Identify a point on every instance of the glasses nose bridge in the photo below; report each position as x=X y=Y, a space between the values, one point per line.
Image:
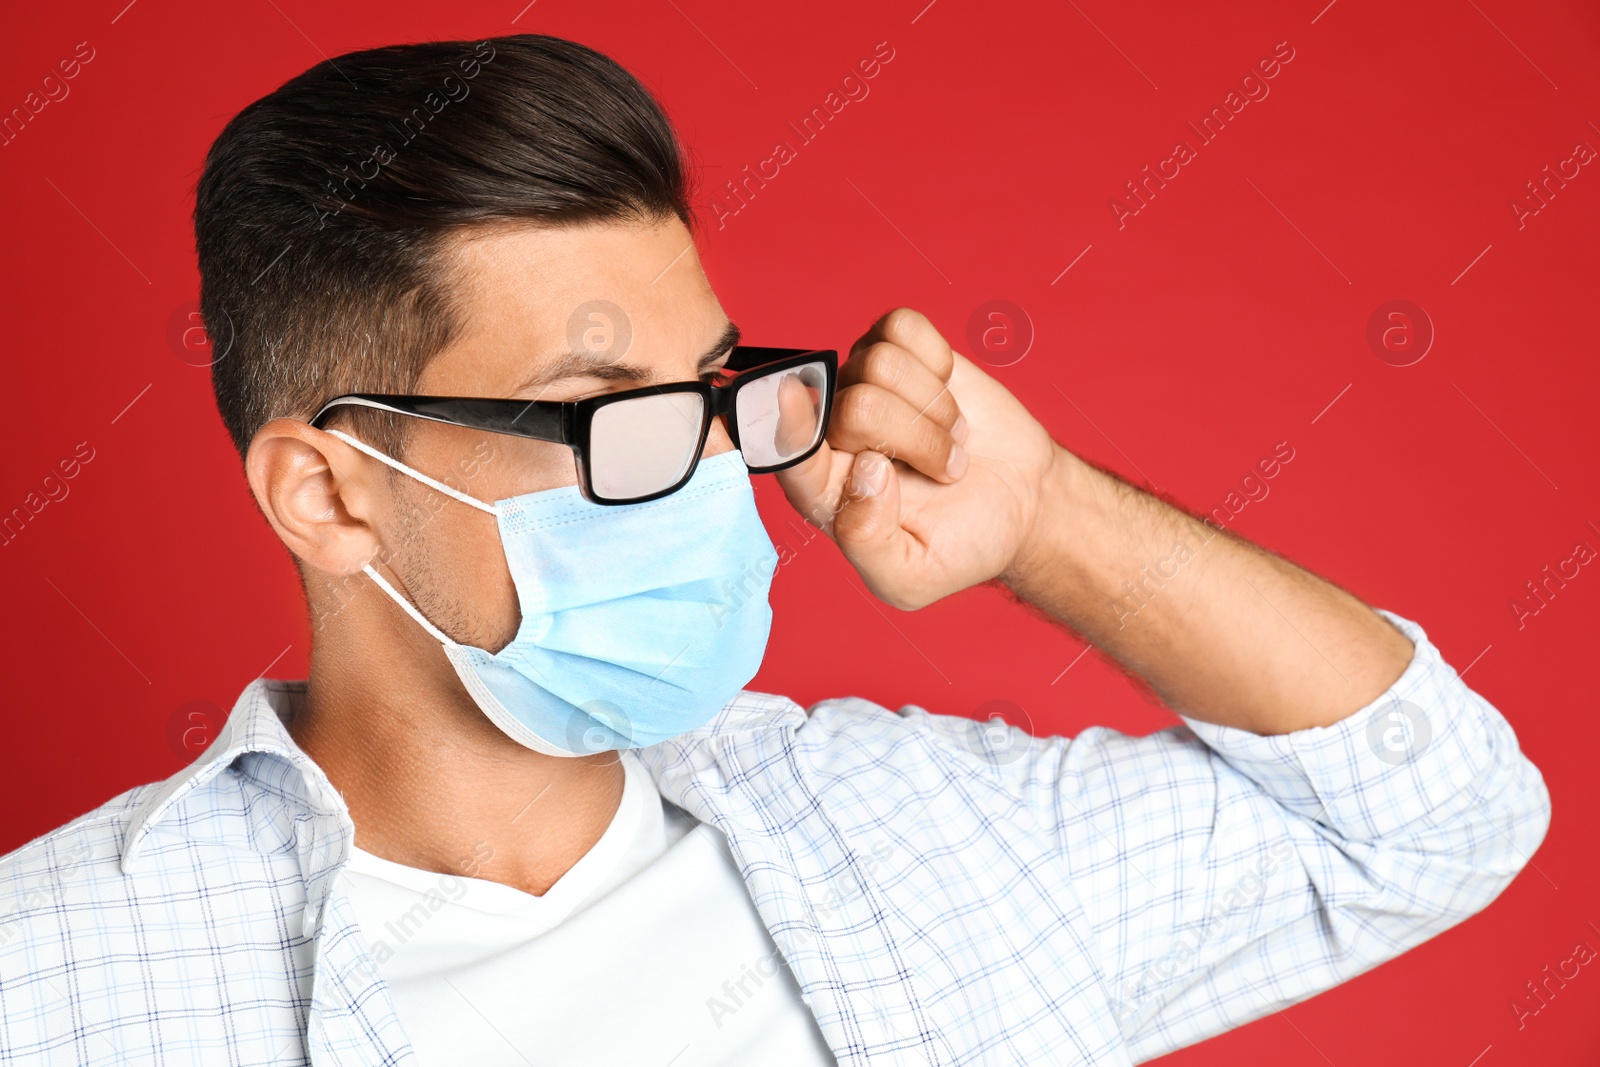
x=720 y=403
x=721 y=400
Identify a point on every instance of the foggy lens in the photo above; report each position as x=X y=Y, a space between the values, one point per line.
x=780 y=414
x=641 y=446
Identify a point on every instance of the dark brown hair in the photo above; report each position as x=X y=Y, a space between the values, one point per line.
x=323 y=206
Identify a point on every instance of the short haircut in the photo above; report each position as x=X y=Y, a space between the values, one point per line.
x=324 y=206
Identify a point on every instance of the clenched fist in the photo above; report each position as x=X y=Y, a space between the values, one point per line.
x=932 y=473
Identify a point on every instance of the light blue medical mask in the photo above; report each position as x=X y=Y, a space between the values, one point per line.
x=639 y=621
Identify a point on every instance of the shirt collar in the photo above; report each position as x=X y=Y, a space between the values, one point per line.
x=694 y=769
x=257 y=724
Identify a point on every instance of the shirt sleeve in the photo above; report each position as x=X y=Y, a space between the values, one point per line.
x=1228 y=875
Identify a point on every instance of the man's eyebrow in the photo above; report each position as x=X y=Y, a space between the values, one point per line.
x=588 y=365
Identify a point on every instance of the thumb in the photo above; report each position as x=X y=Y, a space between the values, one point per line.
x=867 y=525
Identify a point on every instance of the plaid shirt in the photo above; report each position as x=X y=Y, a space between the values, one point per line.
x=945 y=891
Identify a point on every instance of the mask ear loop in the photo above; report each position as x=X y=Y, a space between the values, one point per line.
x=432 y=483
x=394 y=595
x=367 y=569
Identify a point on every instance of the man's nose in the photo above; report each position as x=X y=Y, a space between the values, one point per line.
x=717 y=441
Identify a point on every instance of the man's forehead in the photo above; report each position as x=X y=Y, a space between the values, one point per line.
x=615 y=360
x=538 y=301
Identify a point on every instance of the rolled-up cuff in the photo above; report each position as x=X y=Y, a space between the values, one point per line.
x=1424 y=739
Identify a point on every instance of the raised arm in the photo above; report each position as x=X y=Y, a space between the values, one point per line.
x=1337 y=794
x=1222 y=630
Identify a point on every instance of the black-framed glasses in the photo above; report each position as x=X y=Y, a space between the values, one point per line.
x=640 y=444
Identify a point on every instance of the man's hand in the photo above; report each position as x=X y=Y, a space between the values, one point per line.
x=932 y=474
x=977 y=490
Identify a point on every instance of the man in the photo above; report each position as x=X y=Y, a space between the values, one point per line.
x=521 y=811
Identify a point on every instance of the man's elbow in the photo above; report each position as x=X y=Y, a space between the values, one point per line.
x=1494 y=842
x=1489 y=831
x=1515 y=825
x=1454 y=862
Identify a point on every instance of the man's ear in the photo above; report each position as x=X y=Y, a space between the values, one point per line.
x=321 y=496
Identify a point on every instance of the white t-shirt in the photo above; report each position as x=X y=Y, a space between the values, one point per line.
x=648 y=951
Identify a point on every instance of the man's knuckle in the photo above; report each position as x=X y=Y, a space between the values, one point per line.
x=862 y=407
x=884 y=364
x=902 y=322
x=914 y=332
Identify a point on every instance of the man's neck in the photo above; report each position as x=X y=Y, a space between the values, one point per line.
x=431 y=783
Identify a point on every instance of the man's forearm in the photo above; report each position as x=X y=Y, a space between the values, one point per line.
x=1222 y=630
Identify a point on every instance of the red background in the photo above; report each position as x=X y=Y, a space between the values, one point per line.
x=1222 y=319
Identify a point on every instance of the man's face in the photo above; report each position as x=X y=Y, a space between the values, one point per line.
x=550 y=314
